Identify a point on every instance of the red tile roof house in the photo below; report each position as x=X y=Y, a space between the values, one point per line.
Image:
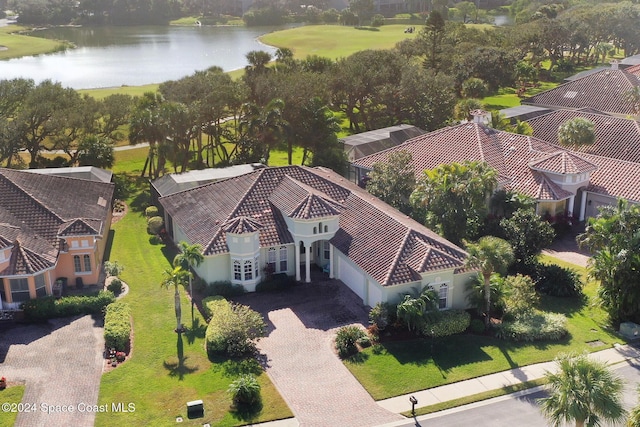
x=290 y=218
x=604 y=91
x=561 y=181
x=50 y=227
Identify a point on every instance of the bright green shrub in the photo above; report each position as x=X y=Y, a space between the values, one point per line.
x=210 y=305
x=113 y=268
x=77 y=305
x=558 y=281
x=245 y=390
x=521 y=298
x=115 y=286
x=233 y=329
x=377 y=20
x=536 y=326
x=151 y=211
x=155 y=224
x=39 y=309
x=346 y=340
x=379 y=316
x=450 y=322
x=117 y=326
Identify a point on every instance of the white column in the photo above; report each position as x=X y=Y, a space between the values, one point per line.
x=570 y=208
x=297 y=261
x=331 y=267
x=583 y=205
x=307 y=264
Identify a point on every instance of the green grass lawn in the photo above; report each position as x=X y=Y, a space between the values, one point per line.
x=335 y=41
x=396 y=368
x=10 y=395
x=166 y=371
x=102 y=93
x=22 y=45
x=507 y=97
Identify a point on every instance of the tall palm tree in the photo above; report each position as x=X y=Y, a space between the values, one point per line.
x=190 y=256
x=634 y=414
x=583 y=390
x=490 y=254
x=176 y=277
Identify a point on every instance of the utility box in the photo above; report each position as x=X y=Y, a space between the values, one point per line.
x=195 y=409
x=630 y=330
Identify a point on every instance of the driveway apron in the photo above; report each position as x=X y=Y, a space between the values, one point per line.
x=61 y=364
x=300 y=359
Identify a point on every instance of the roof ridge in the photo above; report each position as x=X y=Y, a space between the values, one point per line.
x=396 y=260
x=31 y=197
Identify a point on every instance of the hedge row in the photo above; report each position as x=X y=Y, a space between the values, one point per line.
x=534 y=327
x=450 y=322
x=117 y=326
x=41 y=309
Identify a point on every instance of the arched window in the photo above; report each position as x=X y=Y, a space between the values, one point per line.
x=248 y=270
x=271 y=259
x=87 y=263
x=315 y=230
x=320 y=227
x=77 y=266
x=326 y=228
x=443 y=294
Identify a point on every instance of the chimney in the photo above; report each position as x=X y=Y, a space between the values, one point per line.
x=481 y=117
x=614 y=64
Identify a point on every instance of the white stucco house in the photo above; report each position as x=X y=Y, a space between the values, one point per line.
x=292 y=219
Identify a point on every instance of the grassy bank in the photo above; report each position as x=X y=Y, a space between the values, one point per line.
x=18 y=45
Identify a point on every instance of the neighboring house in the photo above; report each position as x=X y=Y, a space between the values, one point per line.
x=51 y=227
x=175 y=182
x=370 y=142
x=288 y=219
x=616 y=137
x=604 y=91
x=563 y=182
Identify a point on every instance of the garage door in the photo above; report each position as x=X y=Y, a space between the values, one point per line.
x=351 y=277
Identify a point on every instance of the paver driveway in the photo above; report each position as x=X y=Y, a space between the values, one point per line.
x=300 y=359
x=61 y=363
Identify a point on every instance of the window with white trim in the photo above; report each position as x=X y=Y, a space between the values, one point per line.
x=271 y=259
x=84 y=243
x=87 y=263
x=77 y=266
x=41 y=291
x=327 y=252
x=248 y=269
x=237 y=270
x=75 y=244
x=284 y=256
x=19 y=289
x=443 y=294
x=256 y=267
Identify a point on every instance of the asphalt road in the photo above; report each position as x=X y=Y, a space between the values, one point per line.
x=516 y=410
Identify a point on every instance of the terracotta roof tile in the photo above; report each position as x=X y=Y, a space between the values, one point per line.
x=297 y=200
x=562 y=162
x=79 y=227
x=602 y=91
x=241 y=225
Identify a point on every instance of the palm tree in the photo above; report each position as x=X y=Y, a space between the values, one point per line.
x=634 y=415
x=176 y=277
x=490 y=254
x=576 y=132
x=190 y=256
x=583 y=390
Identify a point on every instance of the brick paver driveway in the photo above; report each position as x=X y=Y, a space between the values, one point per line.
x=300 y=359
x=61 y=364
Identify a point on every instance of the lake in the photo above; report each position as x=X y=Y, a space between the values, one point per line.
x=133 y=56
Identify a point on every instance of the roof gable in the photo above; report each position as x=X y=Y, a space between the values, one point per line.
x=562 y=163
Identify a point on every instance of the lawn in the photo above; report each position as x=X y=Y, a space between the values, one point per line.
x=22 y=45
x=335 y=41
x=167 y=370
x=396 y=368
x=507 y=97
x=11 y=395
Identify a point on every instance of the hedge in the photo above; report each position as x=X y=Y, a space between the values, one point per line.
x=211 y=304
x=41 y=309
x=233 y=329
x=534 y=327
x=117 y=326
x=449 y=322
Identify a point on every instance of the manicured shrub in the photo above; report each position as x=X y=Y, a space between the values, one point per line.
x=450 y=322
x=117 y=326
x=377 y=20
x=224 y=289
x=276 y=282
x=151 y=211
x=155 y=224
x=476 y=326
x=346 y=340
x=245 y=390
x=210 y=305
x=39 y=309
x=535 y=326
x=113 y=268
x=379 y=316
x=77 y=305
x=558 y=281
x=115 y=286
x=521 y=297
x=233 y=329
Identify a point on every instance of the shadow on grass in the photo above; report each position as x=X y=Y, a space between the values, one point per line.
x=169 y=252
x=235 y=367
x=196 y=330
x=179 y=369
x=246 y=413
x=107 y=249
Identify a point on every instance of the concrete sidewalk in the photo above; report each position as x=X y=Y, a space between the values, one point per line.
x=445 y=393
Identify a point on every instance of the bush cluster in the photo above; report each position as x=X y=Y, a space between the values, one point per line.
x=211 y=304
x=558 y=281
x=115 y=286
x=449 y=322
x=276 y=282
x=113 y=268
x=41 y=309
x=245 y=390
x=536 y=326
x=155 y=224
x=346 y=340
x=233 y=329
x=379 y=316
x=151 y=211
x=225 y=289
x=117 y=326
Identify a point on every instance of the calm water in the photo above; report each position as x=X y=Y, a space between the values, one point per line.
x=115 y=56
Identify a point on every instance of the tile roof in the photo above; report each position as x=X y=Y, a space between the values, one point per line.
x=616 y=137
x=37 y=209
x=602 y=91
x=387 y=245
x=562 y=162
x=297 y=200
x=510 y=155
x=241 y=225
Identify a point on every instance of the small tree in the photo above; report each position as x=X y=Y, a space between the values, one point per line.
x=113 y=268
x=190 y=256
x=245 y=390
x=393 y=181
x=584 y=391
x=634 y=414
x=175 y=277
x=521 y=297
x=528 y=234
x=576 y=132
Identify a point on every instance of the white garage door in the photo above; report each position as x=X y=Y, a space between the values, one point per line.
x=351 y=277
